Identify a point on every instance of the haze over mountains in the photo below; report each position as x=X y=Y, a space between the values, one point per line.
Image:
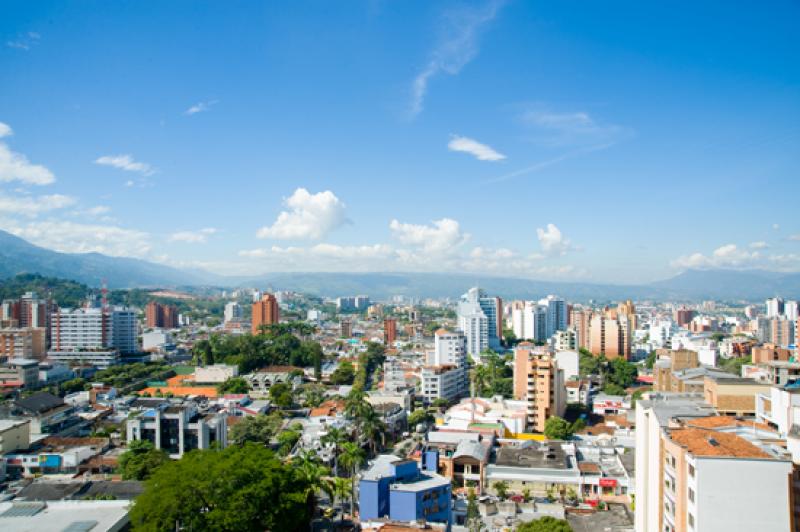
x=19 y=256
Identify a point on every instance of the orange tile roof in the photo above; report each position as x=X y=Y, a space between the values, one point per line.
x=716 y=422
x=589 y=467
x=328 y=408
x=182 y=391
x=699 y=443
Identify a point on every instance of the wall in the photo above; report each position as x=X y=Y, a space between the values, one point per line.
x=742 y=494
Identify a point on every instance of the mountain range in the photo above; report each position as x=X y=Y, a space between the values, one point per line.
x=20 y=256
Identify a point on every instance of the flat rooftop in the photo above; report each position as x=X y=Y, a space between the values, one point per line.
x=63 y=515
x=706 y=442
x=549 y=456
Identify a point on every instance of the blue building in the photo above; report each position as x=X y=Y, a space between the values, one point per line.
x=397 y=489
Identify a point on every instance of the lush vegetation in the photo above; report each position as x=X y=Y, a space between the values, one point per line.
x=733 y=364
x=617 y=375
x=141 y=460
x=493 y=377
x=234 y=385
x=344 y=373
x=545 y=524
x=240 y=488
x=65 y=293
x=556 y=428
x=256 y=429
x=130 y=374
x=275 y=345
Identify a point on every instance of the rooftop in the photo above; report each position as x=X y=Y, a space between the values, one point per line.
x=547 y=456
x=64 y=515
x=707 y=442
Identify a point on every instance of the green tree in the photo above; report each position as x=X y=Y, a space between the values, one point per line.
x=352 y=458
x=336 y=437
x=501 y=488
x=556 y=428
x=650 y=361
x=418 y=416
x=234 y=385
x=623 y=373
x=257 y=429
x=141 y=460
x=473 y=513
x=344 y=374
x=287 y=439
x=73 y=385
x=612 y=388
x=236 y=489
x=281 y=394
x=545 y=524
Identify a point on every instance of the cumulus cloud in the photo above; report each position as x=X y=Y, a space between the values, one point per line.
x=441 y=236
x=552 y=241
x=759 y=245
x=125 y=162
x=200 y=107
x=70 y=237
x=457 y=46
x=16 y=167
x=193 y=237
x=482 y=152
x=795 y=237
x=309 y=217
x=33 y=206
x=727 y=256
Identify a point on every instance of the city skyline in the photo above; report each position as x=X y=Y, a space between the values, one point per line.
x=552 y=142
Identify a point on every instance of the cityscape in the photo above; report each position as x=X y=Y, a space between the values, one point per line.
x=258 y=273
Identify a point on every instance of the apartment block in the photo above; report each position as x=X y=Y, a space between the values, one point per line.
x=265 y=312
x=539 y=381
x=159 y=316
x=23 y=342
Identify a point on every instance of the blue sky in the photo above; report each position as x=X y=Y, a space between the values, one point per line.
x=616 y=142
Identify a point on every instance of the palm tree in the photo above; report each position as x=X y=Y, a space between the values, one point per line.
x=337 y=437
x=372 y=427
x=341 y=489
x=311 y=469
x=352 y=458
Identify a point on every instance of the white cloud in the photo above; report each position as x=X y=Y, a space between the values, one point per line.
x=442 y=236
x=70 y=237
x=776 y=226
x=795 y=237
x=200 y=107
x=457 y=46
x=552 y=242
x=125 y=162
x=24 y=42
x=16 y=167
x=32 y=206
x=727 y=256
x=310 y=216
x=482 y=152
x=98 y=210
x=193 y=237
x=572 y=128
x=759 y=245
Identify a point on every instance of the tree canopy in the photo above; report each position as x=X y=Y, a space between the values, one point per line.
x=141 y=460
x=255 y=429
x=233 y=385
x=237 y=489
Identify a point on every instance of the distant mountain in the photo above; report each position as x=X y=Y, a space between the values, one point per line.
x=20 y=256
x=729 y=285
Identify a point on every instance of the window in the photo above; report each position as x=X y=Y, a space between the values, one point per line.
x=691 y=470
x=691 y=520
x=691 y=494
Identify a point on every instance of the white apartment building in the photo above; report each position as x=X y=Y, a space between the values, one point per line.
x=233 y=311
x=774 y=307
x=707 y=473
x=479 y=319
x=445 y=374
x=91 y=328
x=566 y=340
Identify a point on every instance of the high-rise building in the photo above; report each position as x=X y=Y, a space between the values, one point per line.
x=791 y=310
x=696 y=471
x=539 y=381
x=480 y=318
x=389 y=331
x=27 y=342
x=580 y=319
x=265 y=312
x=29 y=311
x=158 y=316
x=445 y=374
x=352 y=303
x=555 y=315
x=774 y=307
x=684 y=316
x=94 y=329
x=609 y=336
x=345 y=328
x=781 y=331
x=233 y=312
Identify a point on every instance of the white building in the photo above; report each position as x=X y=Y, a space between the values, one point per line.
x=555 y=314
x=233 y=311
x=445 y=374
x=566 y=340
x=774 y=307
x=479 y=319
x=91 y=328
x=215 y=374
x=568 y=362
x=156 y=339
x=791 y=310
